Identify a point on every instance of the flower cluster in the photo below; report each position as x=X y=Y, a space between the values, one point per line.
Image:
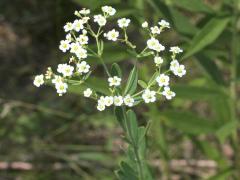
x=77 y=70
x=106 y=101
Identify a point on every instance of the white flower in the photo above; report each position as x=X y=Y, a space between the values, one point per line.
x=158 y=60
x=164 y=24
x=159 y=48
x=149 y=96
x=61 y=88
x=128 y=100
x=83 y=67
x=174 y=65
x=64 y=45
x=83 y=39
x=114 y=81
x=155 y=45
x=84 y=11
x=81 y=53
x=179 y=71
x=101 y=104
x=101 y=20
x=118 y=100
x=78 y=25
x=152 y=43
x=57 y=79
x=155 y=30
x=85 y=19
x=124 y=22
x=168 y=93
x=76 y=13
x=68 y=37
x=60 y=68
x=68 y=27
x=67 y=70
x=101 y=107
x=145 y=24
x=87 y=92
x=38 y=80
x=84 y=31
x=109 y=10
x=176 y=50
x=75 y=46
x=163 y=80
x=108 y=100
x=112 y=35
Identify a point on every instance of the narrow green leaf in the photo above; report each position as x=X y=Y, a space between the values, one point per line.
x=189 y=122
x=153 y=78
x=160 y=8
x=133 y=126
x=210 y=32
x=94 y=4
x=131 y=85
x=198 y=93
x=142 y=84
x=193 y=5
x=226 y=130
x=120 y=175
x=211 y=68
x=128 y=171
x=182 y=23
x=121 y=118
x=116 y=70
x=222 y=109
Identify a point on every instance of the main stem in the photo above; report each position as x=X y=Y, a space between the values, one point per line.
x=134 y=145
x=139 y=163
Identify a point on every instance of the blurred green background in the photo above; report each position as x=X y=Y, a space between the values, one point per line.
x=195 y=136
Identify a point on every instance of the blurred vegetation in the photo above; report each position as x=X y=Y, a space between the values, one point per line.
x=195 y=136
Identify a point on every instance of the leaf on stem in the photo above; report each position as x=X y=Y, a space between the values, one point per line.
x=119 y=113
x=142 y=84
x=116 y=70
x=131 y=85
x=133 y=126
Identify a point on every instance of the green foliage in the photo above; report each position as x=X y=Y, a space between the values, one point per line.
x=132 y=82
x=209 y=33
x=193 y=6
x=116 y=70
x=188 y=122
x=94 y=4
x=205 y=111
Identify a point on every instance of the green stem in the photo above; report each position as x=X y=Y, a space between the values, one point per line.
x=105 y=67
x=133 y=144
x=140 y=92
x=99 y=52
x=139 y=163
